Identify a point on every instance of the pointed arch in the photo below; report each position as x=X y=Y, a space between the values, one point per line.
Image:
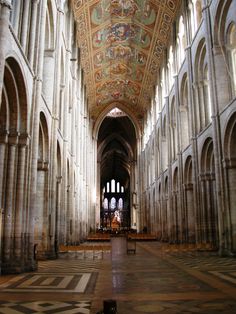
x=123 y=108
x=43 y=154
x=202 y=87
x=209 y=214
x=15 y=96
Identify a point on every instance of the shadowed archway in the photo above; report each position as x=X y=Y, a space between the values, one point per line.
x=116 y=154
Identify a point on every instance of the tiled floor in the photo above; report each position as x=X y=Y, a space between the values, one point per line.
x=150 y=281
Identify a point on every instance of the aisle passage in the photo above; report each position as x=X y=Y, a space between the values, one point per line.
x=151 y=281
x=155 y=281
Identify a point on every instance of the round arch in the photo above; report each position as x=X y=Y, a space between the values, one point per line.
x=229 y=139
x=15 y=96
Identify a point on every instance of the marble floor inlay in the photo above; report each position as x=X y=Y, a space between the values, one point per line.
x=53 y=282
x=47 y=307
x=150 y=281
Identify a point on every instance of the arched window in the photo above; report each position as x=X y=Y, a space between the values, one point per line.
x=113 y=186
x=191 y=19
x=202 y=88
x=181 y=43
x=105 y=204
x=163 y=87
x=207 y=95
x=170 y=68
x=118 y=187
x=231 y=47
x=122 y=189
x=184 y=113
x=120 y=204
x=113 y=203
x=194 y=15
x=157 y=101
x=198 y=11
x=108 y=187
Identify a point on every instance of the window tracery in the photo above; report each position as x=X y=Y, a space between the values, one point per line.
x=231 y=47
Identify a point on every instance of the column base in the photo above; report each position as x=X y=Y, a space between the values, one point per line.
x=16 y=267
x=45 y=255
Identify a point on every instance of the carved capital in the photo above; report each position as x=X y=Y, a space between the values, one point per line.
x=188 y=187
x=207 y=176
x=59 y=179
x=229 y=163
x=4 y=136
x=24 y=139
x=43 y=165
x=6 y=3
x=13 y=137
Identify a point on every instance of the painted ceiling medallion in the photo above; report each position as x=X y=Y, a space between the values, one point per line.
x=122 y=43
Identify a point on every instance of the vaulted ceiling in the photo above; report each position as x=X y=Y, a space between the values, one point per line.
x=116 y=149
x=122 y=44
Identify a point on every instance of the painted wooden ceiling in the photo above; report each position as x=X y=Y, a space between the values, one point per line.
x=122 y=44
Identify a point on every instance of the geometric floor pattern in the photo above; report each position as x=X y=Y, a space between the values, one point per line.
x=149 y=281
x=177 y=307
x=201 y=261
x=51 y=283
x=223 y=268
x=47 y=307
x=229 y=276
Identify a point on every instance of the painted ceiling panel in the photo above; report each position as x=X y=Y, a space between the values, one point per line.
x=122 y=43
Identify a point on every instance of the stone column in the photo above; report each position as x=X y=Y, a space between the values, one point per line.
x=230 y=214
x=203 y=223
x=220 y=193
x=57 y=214
x=212 y=214
x=31 y=50
x=25 y=24
x=20 y=194
x=35 y=132
x=3 y=142
x=201 y=105
x=10 y=201
x=191 y=219
x=166 y=212
x=194 y=127
x=208 y=209
x=174 y=234
x=16 y=16
x=5 y=7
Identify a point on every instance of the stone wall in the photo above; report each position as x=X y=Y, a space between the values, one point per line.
x=188 y=192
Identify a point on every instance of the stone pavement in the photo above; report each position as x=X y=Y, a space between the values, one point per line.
x=150 y=281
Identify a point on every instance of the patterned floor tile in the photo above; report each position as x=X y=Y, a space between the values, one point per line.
x=149 y=281
x=228 y=276
x=53 y=282
x=47 y=307
x=177 y=307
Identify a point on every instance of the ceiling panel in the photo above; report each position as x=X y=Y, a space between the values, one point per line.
x=122 y=43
